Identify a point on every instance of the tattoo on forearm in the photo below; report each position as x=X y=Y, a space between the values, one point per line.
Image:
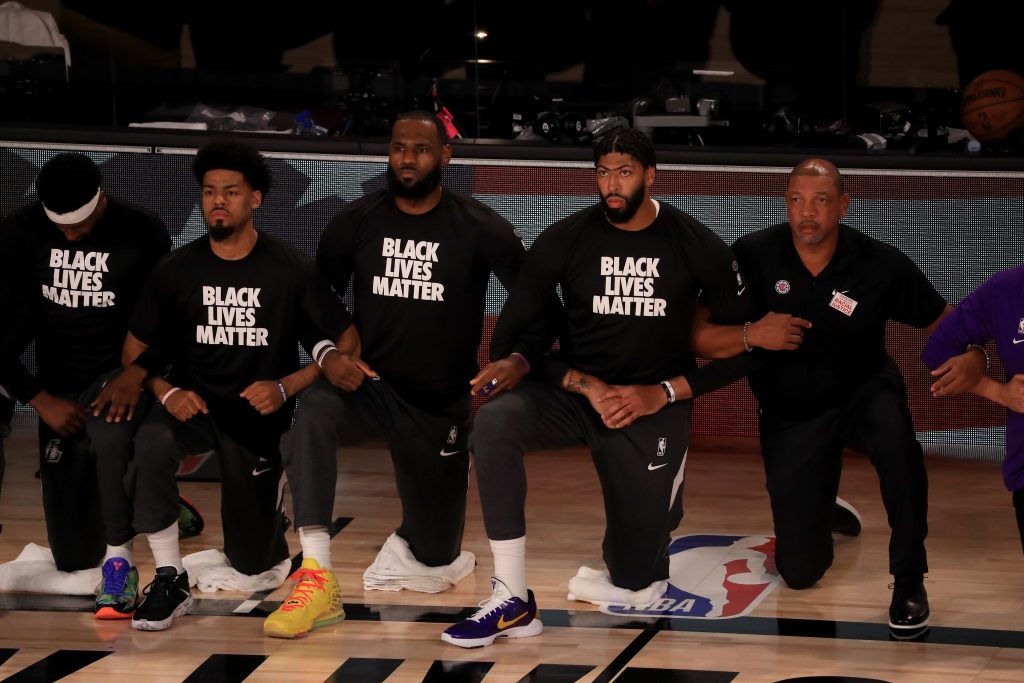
x=577 y=382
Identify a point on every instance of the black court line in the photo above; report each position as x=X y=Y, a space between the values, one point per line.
x=645 y=675
x=57 y=665
x=364 y=670
x=557 y=673
x=457 y=672
x=626 y=656
x=226 y=668
x=6 y=653
x=756 y=626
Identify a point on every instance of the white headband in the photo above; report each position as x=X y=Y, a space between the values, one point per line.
x=76 y=216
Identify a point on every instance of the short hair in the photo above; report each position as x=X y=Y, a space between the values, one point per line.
x=822 y=168
x=631 y=142
x=234 y=155
x=67 y=182
x=426 y=117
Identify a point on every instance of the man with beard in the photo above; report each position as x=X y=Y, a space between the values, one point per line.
x=420 y=258
x=840 y=388
x=631 y=272
x=227 y=310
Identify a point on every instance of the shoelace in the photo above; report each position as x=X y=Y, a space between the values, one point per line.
x=309 y=581
x=488 y=606
x=114 y=584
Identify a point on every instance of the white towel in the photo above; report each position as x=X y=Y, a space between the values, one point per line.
x=396 y=568
x=34 y=571
x=595 y=585
x=210 y=571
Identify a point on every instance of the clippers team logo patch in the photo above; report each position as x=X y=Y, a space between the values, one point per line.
x=782 y=287
x=453 y=434
x=53 y=452
x=842 y=303
x=713 y=576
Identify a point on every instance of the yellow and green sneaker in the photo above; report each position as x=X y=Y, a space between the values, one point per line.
x=315 y=602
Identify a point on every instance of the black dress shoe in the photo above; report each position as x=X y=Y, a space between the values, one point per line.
x=908 y=611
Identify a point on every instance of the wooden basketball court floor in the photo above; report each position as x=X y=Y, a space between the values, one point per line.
x=835 y=631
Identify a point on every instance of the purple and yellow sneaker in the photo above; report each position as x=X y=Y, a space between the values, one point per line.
x=500 y=616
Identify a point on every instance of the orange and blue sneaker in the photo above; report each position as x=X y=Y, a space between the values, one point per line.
x=502 y=615
x=315 y=602
x=118 y=592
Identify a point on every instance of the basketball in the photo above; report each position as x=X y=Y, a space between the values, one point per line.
x=992 y=105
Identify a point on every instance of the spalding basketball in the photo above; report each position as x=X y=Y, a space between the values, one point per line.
x=992 y=105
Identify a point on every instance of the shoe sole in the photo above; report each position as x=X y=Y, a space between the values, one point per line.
x=534 y=628
x=181 y=610
x=109 y=613
x=908 y=632
x=272 y=632
x=842 y=504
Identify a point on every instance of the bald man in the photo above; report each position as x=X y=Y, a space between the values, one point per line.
x=839 y=388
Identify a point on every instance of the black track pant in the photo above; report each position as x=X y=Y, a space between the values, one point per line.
x=640 y=468
x=250 y=483
x=803 y=460
x=86 y=484
x=428 y=451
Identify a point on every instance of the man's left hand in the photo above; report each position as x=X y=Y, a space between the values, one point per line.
x=624 y=404
x=499 y=376
x=959 y=373
x=265 y=396
x=121 y=393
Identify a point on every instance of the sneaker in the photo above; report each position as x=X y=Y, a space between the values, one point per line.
x=845 y=519
x=500 y=616
x=315 y=602
x=118 y=591
x=167 y=597
x=190 y=521
x=908 y=611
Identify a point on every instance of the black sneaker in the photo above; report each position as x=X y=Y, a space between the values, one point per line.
x=845 y=519
x=168 y=596
x=908 y=612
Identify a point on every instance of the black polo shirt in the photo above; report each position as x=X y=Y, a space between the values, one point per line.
x=866 y=284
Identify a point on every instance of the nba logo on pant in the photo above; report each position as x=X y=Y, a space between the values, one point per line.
x=53 y=451
x=713 y=576
x=453 y=434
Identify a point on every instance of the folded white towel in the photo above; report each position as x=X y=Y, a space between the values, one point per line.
x=210 y=571
x=396 y=568
x=595 y=585
x=34 y=571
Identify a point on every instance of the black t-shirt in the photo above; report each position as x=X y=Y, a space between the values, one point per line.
x=629 y=297
x=420 y=285
x=867 y=283
x=75 y=296
x=226 y=324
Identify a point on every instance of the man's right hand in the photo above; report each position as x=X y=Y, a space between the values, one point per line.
x=777 y=332
x=1013 y=394
x=344 y=371
x=184 y=405
x=61 y=415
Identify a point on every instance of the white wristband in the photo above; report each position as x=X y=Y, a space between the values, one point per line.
x=167 y=395
x=670 y=392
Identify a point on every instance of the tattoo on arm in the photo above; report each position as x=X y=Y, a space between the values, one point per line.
x=577 y=382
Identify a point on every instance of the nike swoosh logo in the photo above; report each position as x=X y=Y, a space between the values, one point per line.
x=1018 y=341
x=741 y=291
x=652 y=466
x=502 y=624
x=445 y=454
x=257 y=472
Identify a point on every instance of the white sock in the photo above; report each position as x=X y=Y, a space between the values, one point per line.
x=124 y=550
x=164 y=544
x=510 y=564
x=316 y=544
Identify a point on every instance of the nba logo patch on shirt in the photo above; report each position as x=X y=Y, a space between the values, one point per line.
x=842 y=303
x=782 y=287
x=713 y=576
x=1020 y=326
x=453 y=434
x=53 y=452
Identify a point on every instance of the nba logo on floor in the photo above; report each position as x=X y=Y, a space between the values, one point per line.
x=713 y=576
